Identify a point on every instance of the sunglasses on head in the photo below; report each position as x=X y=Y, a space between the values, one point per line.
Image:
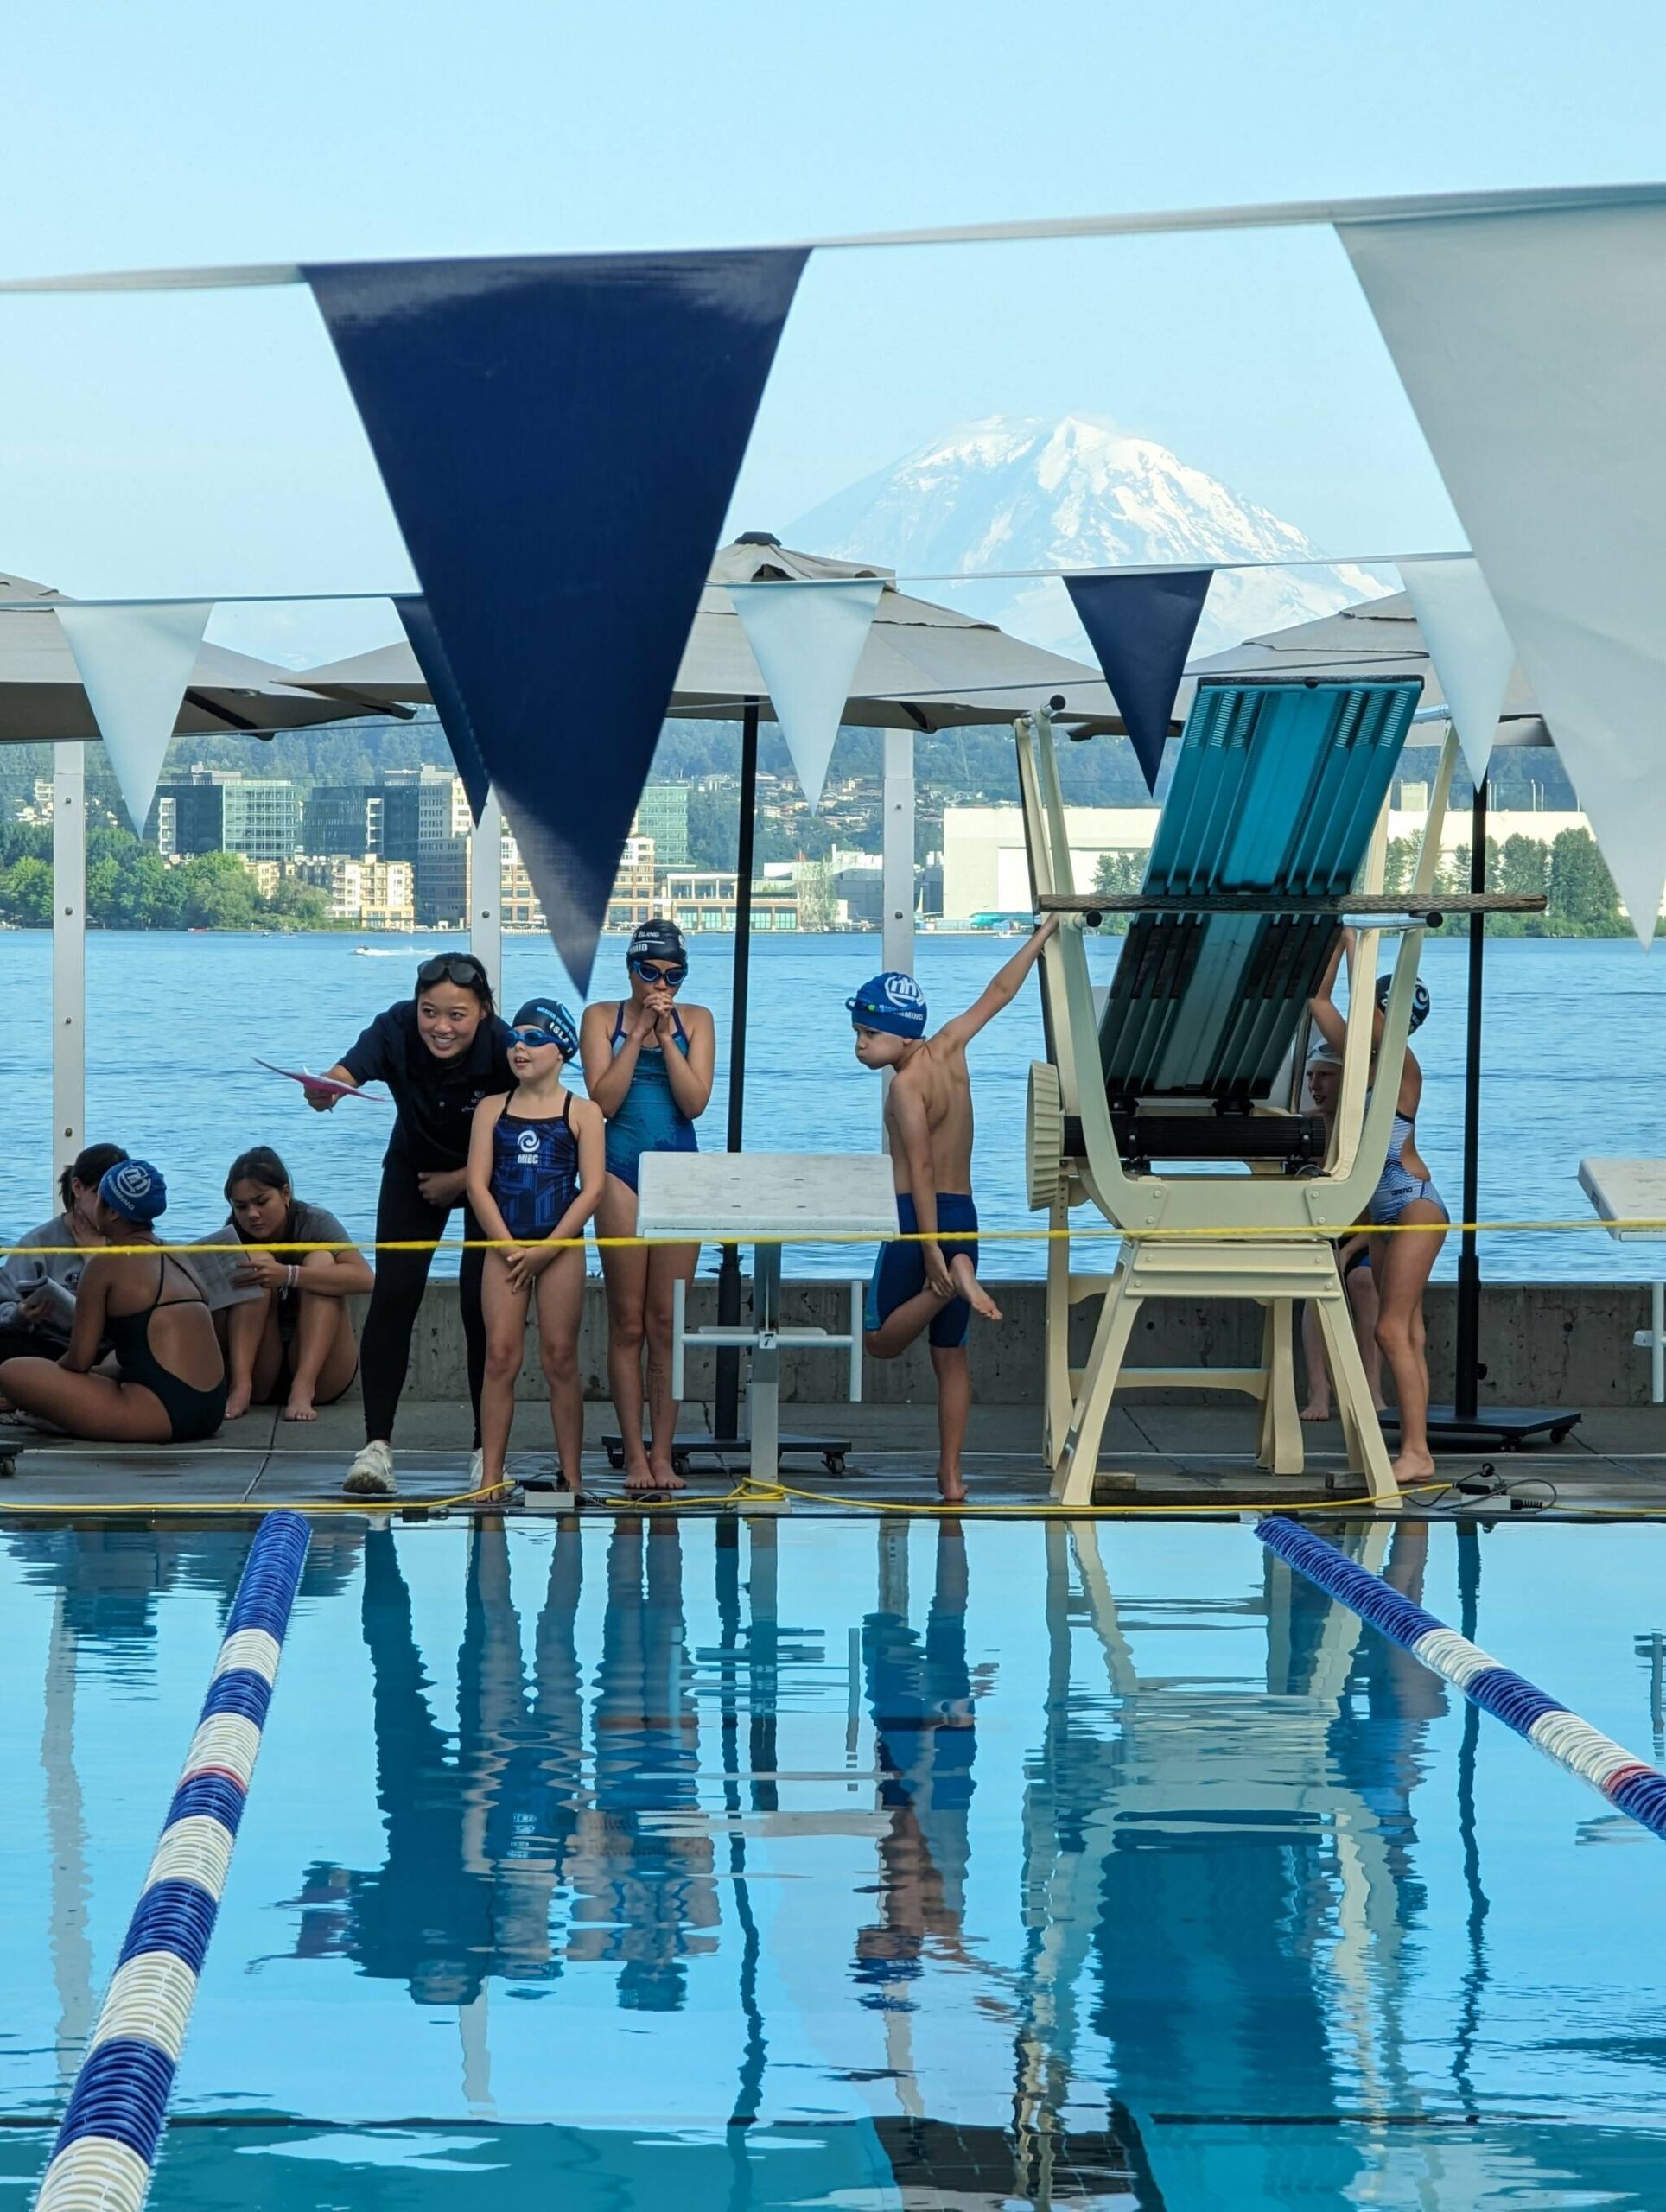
x=451 y=967
x=652 y=971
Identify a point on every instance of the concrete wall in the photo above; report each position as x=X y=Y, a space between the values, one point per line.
x=1544 y=1344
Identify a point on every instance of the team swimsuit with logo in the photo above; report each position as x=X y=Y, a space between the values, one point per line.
x=534 y=1169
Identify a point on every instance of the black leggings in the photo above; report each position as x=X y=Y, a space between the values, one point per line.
x=403 y=1214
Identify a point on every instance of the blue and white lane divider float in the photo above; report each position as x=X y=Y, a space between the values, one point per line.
x=1624 y=1779
x=105 y=2153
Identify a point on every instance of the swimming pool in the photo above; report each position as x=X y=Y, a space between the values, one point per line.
x=840 y=1865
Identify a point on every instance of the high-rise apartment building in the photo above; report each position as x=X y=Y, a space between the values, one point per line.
x=662 y=814
x=221 y=810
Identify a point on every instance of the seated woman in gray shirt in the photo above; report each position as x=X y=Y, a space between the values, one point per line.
x=287 y=1333
x=38 y=1280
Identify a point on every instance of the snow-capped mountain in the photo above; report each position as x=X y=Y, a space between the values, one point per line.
x=1018 y=492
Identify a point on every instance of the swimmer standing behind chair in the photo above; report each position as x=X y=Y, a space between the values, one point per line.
x=930 y=1286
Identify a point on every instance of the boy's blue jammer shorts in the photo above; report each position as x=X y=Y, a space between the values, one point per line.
x=899 y=1271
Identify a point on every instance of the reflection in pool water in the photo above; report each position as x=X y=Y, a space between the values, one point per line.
x=810 y=1863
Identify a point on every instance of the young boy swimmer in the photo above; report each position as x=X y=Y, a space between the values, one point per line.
x=932 y=1286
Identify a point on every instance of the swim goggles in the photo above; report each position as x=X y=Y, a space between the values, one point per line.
x=536 y=1039
x=652 y=971
x=451 y=967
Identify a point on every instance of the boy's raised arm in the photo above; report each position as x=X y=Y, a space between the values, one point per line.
x=1001 y=989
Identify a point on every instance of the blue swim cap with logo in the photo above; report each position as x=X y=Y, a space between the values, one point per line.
x=894 y=1002
x=134 y=1189
x=552 y=1022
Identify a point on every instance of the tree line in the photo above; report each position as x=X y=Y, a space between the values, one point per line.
x=130 y=887
x=1570 y=873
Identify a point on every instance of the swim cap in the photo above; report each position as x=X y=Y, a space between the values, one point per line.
x=1420 y=999
x=135 y=1190
x=656 y=940
x=1324 y=1055
x=551 y=1018
x=893 y=1001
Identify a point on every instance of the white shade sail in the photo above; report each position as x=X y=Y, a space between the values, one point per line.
x=1470 y=648
x=807 y=641
x=1533 y=347
x=135 y=662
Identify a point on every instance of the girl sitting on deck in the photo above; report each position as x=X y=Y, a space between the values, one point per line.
x=1404 y=1200
x=287 y=1331
x=40 y=1278
x=170 y=1384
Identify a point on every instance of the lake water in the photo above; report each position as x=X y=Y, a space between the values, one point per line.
x=1575 y=1062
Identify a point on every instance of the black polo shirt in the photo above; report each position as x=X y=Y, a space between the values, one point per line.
x=436 y=1098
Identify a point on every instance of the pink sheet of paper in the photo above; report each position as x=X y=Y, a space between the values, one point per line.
x=324 y=1082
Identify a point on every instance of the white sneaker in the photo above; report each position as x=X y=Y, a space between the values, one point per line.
x=476 y=1467
x=372 y=1473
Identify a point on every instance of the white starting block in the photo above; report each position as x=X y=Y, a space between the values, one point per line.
x=1635 y=1190
x=766 y=1199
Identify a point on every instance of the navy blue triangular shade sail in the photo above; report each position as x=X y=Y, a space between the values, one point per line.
x=1141 y=629
x=424 y=637
x=559 y=437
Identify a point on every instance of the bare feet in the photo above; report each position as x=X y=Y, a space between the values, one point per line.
x=1313 y=1411
x=644 y=1480
x=666 y=1476
x=300 y=1407
x=1412 y=1468
x=951 y=1486
x=964 y=1276
x=237 y=1402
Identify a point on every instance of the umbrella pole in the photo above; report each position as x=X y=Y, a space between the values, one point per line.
x=726 y=1412
x=1468 y=1348
x=68 y=955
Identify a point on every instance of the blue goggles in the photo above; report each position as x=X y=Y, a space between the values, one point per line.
x=536 y=1039
x=669 y=973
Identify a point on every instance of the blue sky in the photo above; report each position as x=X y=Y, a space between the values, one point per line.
x=206 y=443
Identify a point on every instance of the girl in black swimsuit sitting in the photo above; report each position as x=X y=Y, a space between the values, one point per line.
x=169 y=1385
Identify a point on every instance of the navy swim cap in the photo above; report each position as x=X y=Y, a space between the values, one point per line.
x=656 y=940
x=893 y=1001
x=552 y=1022
x=1420 y=999
x=134 y=1189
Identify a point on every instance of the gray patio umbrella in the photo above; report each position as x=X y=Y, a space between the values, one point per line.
x=43 y=701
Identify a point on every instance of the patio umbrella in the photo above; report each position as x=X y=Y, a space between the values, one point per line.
x=42 y=701
x=1380 y=637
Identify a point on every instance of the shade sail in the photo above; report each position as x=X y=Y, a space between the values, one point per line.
x=535 y=421
x=1531 y=346
x=924 y=667
x=43 y=701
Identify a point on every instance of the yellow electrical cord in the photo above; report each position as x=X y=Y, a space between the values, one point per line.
x=1326 y=1232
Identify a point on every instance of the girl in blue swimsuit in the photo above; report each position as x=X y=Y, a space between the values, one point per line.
x=535 y=1175
x=1405 y=1198
x=648 y=1065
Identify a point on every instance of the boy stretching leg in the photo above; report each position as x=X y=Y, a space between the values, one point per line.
x=931 y=1285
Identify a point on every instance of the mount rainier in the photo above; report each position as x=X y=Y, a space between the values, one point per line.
x=1019 y=491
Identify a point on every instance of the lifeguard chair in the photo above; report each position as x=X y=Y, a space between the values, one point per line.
x=1171 y=1100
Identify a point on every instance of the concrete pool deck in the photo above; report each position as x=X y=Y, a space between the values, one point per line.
x=1189 y=1458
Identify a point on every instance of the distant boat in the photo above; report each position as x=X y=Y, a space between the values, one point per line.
x=380 y=952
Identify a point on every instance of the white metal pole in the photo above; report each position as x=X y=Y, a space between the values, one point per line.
x=68 y=956
x=897 y=872
x=486 y=891
x=898 y=876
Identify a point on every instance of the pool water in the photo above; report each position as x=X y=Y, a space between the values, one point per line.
x=847 y=1866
